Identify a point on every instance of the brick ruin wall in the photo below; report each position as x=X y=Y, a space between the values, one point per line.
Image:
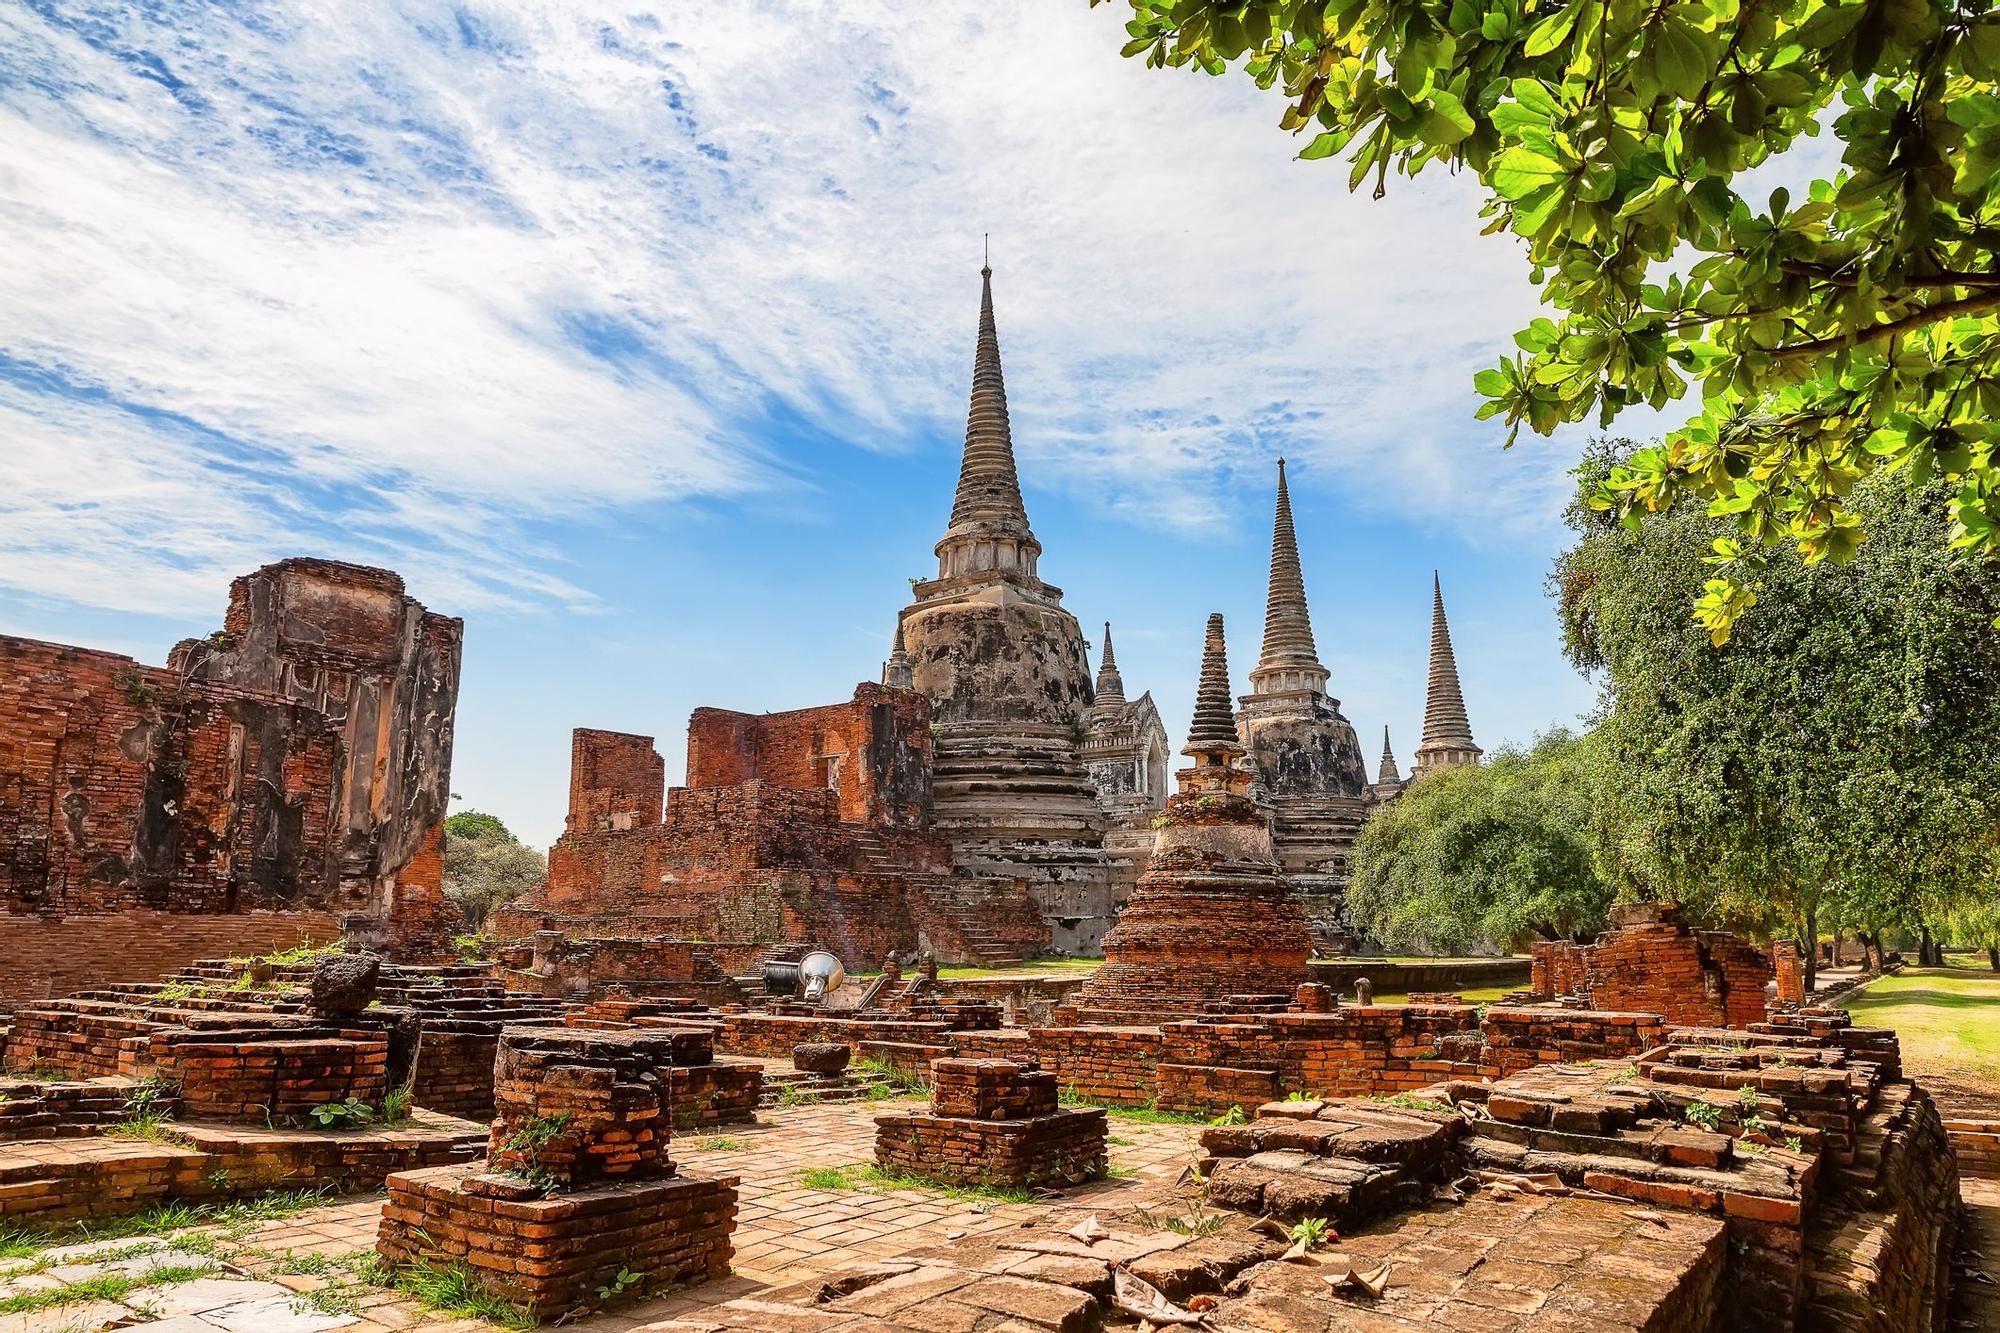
x=758 y=847
x=1651 y=963
x=873 y=751
x=294 y=765
x=1377 y=1050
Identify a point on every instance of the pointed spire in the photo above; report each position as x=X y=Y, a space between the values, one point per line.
x=1110 y=685
x=1212 y=739
x=1447 y=733
x=988 y=486
x=1387 y=773
x=897 y=672
x=989 y=524
x=1290 y=659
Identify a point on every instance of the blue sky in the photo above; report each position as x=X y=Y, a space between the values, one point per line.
x=641 y=338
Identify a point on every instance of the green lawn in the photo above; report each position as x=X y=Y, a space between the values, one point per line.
x=1471 y=995
x=1948 y=1018
x=1033 y=967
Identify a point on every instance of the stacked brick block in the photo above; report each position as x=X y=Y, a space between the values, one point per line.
x=257 y=1075
x=1650 y=962
x=579 y=1184
x=994 y=1123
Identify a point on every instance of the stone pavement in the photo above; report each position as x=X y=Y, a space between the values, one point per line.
x=1975 y=1298
x=786 y=1233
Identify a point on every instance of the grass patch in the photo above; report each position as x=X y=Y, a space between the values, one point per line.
x=828 y=1178
x=881 y=1179
x=718 y=1145
x=104 y=1287
x=1409 y=1101
x=162 y=1218
x=1947 y=1017
x=449 y=1289
x=1148 y=1114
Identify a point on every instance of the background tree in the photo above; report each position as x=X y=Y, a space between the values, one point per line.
x=1977 y=923
x=485 y=866
x=1844 y=329
x=1838 y=757
x=1487 y=854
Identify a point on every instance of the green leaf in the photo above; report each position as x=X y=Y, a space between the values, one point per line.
x=1551 y=32
x=1519 y=171
x=1448 y=122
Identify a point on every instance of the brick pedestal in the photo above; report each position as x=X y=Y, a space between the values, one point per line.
x=992 y=1122
x=550 y=1255
x=578 y=1185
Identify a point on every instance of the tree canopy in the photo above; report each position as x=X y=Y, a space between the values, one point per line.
x=1833 y=330
x=486 y=866
x=1483 y=854
x=1839 y=759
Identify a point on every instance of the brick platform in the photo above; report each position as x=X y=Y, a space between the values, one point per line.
x=44 y=1183
x=992 y=1122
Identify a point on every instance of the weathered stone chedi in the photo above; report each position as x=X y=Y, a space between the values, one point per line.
x=1212 y=918
x=1004 y=666
x=291 y=768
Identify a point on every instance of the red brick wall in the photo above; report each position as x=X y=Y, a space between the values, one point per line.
x=876 y=748
x=51 y=956
x=616 y=780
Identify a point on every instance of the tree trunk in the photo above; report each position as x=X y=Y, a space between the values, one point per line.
x=1925 y=946
x=1993 y=956
x=1871 y=952
x=1811 y=952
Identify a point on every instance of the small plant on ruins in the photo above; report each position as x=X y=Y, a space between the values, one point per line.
x=531 y=1140
x=1233 y=1116
x=1793 y=1143
x=1409 y=1101
x=895 y=1082
x=719 y=1145
x=1162 y=821
x=1706 y=1115
x=1297 y=1096
x=470 y=948
x=619 y=1285
x=219 y=1180
x=175 y=990
x=397 y=1104
x=137 y=692
x=1311 y=1232
x=305 y=951
x=148 y=1109
x=349 y=1114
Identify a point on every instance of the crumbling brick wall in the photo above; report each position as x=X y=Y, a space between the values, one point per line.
x=297 y=760
x=873 y=752
x=1650 y=962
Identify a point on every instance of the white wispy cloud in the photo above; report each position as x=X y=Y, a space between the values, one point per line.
x=424 y=275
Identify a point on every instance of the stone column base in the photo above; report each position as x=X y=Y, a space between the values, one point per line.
x=550 y=1255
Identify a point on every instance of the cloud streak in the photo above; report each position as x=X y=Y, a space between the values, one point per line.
x=413 y=279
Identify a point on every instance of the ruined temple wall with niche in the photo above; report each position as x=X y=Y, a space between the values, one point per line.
x=291 y=767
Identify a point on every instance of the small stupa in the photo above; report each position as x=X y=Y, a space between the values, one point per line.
x=1212 y=926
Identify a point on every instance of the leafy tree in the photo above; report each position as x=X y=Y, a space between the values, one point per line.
x=1977 y=922
x=474 y=824
x=1486 y=854
x=485 y=866
x=1839 y=759
x=1835 y=331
